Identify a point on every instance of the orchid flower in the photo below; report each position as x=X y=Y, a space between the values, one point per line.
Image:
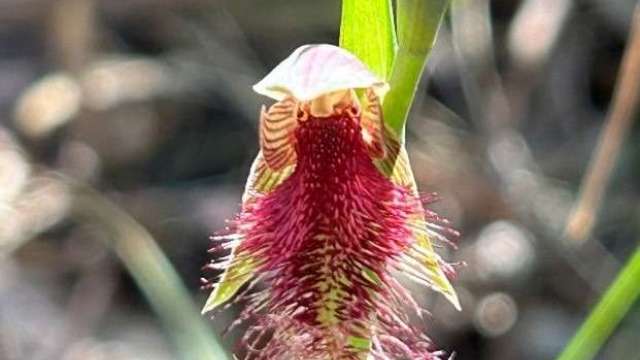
x=330 y=217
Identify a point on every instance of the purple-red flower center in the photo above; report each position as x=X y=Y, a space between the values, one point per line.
x=327 y=235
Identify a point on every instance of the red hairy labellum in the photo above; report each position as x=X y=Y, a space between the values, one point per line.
x=329 y=214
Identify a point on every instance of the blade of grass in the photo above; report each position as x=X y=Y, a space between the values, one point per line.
x=367 y=31
x=418 y=23
x=604 y=318
x=153 y=273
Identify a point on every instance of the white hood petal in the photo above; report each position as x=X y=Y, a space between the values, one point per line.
x=314 y=70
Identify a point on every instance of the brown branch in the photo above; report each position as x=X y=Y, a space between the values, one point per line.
x=619 y=120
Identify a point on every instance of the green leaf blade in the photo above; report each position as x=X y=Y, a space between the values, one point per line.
x=367 y=30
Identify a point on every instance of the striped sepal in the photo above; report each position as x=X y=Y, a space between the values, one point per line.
x=276 y=133
x=395 y=164
x=372 y=124
x=240 y=267
x=262 y=178
x=421 y=263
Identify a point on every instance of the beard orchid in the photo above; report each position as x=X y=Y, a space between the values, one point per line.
x=330 y=217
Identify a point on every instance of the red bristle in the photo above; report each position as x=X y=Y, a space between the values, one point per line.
x=315 y=234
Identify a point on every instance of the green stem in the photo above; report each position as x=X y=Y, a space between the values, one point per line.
x=418 y=22
x=607 y=314
x=405 y=78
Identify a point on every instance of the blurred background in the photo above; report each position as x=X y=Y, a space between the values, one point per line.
x=144 y=107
